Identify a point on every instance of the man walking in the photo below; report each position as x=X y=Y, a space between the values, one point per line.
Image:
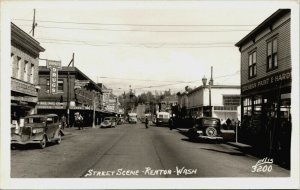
x=146 y=122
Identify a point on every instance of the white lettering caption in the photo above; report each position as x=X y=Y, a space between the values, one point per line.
x=148 y=171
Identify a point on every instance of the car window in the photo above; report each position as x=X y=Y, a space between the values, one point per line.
x=49 y=120
x=31 y=120
x=210 y=121
x=55 y=119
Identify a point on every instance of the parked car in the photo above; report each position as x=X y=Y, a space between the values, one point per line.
x=132 y=117
x=162 y=118
x=209 y=128
x=109 y=122
x=38 y=129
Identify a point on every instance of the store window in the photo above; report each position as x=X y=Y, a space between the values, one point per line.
x=272 y=60
x=257 y=103
x=231 y=100
x=247 y=106
x=252 y=64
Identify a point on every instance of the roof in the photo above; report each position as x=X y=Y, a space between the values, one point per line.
x=72 y=70
x=265 y=24
x=21 y=38
x=42 y=115
x=214 y=86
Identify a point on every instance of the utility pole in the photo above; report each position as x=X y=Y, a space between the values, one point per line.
x=33 y=23
x=68 y=92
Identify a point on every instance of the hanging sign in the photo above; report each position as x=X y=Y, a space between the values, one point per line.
x=53 y=66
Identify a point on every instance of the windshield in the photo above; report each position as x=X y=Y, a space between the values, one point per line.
x=30 y=120
x=210 y=121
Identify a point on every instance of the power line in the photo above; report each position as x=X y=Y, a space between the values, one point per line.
x=129 y=24
x=138 y=30
x=161 y=46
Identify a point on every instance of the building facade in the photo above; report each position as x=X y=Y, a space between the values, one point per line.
x=25 y=52
x=266 y=85
x=75 y=93
x=225 y=101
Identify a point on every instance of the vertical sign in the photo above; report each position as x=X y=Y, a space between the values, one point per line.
x=53 y=66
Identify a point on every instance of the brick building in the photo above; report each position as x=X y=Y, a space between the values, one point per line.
x=25 y=52
x=75 y=93
x=266 y=86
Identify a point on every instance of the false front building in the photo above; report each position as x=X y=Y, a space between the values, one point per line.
x=266 y=86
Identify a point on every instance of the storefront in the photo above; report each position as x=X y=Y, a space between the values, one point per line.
x=266 y=114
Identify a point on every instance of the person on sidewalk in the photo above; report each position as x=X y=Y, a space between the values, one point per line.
x=63 y=122
x=146 y=122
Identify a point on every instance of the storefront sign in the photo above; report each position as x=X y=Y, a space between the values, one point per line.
x=24 y=98
x=52 y=103
x=22 y=87
x=80 y=108
x=50 y=107
x=268 y=81
x=81 y=83
x=53 y=66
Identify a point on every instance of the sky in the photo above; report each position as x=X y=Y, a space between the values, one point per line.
x=144 y=46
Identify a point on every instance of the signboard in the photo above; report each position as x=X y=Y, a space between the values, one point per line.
x=24 y=98
x=52 y=103
x=269 y=81
x=22 y=87
x=81 y=83
x=50 y=107
x=53 y=66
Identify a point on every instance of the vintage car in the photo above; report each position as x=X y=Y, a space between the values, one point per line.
x=38 y=129
x=132 y=117
x=162 y=118
x=209 y=128
x=109 y=122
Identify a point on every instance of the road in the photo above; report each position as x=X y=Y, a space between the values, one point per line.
x=131 y=150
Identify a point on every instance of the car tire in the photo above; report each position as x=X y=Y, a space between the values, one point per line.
x=43 y=143
x=211 y=132
x=58 y=141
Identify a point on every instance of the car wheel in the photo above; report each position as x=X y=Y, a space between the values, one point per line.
x=58 y=141
x=211 y=131
x=43 y=143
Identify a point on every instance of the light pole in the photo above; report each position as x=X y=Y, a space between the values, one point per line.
x=204 y=80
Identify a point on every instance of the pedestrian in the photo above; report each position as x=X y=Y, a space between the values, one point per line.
x=228 y=122
x=63 y=121
x=146 y=122
x=79 y=120
x=171 y=123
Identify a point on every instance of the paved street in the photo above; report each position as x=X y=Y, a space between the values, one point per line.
x=131 y=150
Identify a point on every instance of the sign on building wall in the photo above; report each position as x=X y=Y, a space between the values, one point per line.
x=53 y=66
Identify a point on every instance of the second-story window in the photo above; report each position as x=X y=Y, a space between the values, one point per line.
x=252 y=65
x=25 y=71
x=272 y=54
x=60 y=85
x=19 y=62
x=32 y=74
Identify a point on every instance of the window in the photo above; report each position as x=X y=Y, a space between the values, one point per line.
x=48 y=85
x=32 y=74
x=257 y=102
x=60 y=84
x=231 y=100
x=19 y=67
x=12 y=61
x=272 y=60
x=252 y=65
x=26 y=71
x=247 y=106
